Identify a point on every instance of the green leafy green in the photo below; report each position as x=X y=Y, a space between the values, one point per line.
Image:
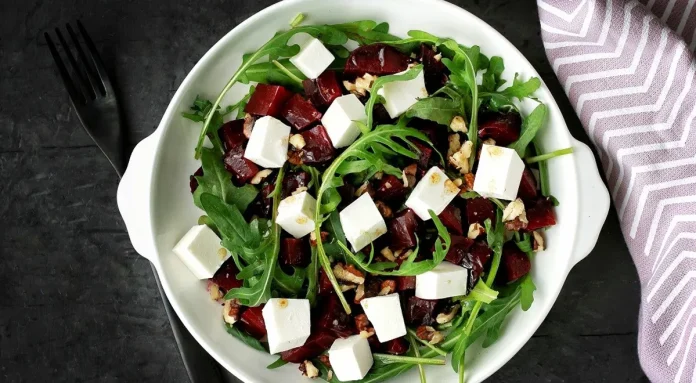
x=543 y=174
x=366 y=31
x=414 y=346
x=388 y=359
x=492 y=77
x=480 y=293
x=505 y=98
x=530 y=127
x=297 y=20
x=438 y=109
x=379 y=83
x=278 y=363
x=548 y=156
x=270 y=73
x=290 y=285
x=216 y=180
x=245 y=338
x=527 y=289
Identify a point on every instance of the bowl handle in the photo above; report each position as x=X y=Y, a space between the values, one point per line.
x=593 y=201
x=133 y=196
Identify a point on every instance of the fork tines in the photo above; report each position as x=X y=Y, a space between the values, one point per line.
x=87 y=80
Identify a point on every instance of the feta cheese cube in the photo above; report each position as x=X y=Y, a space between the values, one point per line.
x=287 y=323
x=434 y=192
x=499 y=172
x=201 y=251
x=313 y=58
x=350 y=358
x=339 y=120
x=400 y=95
x=362 y=223
x=268 y=143
x=296 y=214
x=444 y=281
x=384 y=312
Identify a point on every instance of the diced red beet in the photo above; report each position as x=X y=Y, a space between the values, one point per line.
x=347 y=193
x=540 y=213
x=504 y=128
x=390 y=188
x=252 y=322
x=242 y=169
x=262 y=205
x=334 y=318
x=459 y=248
x=398 y=346
x=294 y=180
x=318 y=147
x=380 y=116
x=300 y=113
x=375 y=59
x=514 y=263
x=420 y=311
x=478 y=210
x=402 y=230
x=294 y=252
x=267 y=100
x=193 y=182
x=232 y=136
x=528 y=185
x=317 y=343
x=425 y=152
x=436 y=133
x=434 y=71
x=479 y=254
x=226 y=276
x=325 y=286
x=451 y=217
x=405 y=283
x=323 y=90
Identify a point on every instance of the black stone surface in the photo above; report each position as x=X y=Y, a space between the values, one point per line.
x=78 y=304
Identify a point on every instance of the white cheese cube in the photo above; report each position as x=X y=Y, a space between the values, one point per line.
x=444 y=281
x=400 y=95
x=362 y=223
x=313 y=58
x=339 y=120
x=434 y=192
x=296 y=214
x=268 y=143
x=287 y=323
x=499 y=173
x=350 y=358
x=201 y=251
x=384 y=312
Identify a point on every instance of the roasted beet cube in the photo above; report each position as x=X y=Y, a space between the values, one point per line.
x=347 y=193
x=262 y=205
x=420 y=311
x=193 y=182
x=390 y=188
x=480 y=250
x=317 y=343
x=504 y=128
x=323 y=90
x=514 y=263
x=434 y=71
x=459 y=248
x=478 y=210
x=325 y=286
x=267 y=100
x=300 y=113
x=334 y=318
x=380 y=116
x=318 y=148
x=405 y=283
x=242 y=169
x=294 y=252
x=540 y=213
x=398 y=346
x=424 y=154
x=293 y=180
x=451 y=217
x=252 y=322
x=528 y=185
x=226 y=276
x=375 y=59
x=436 y=133
x=232 y=136
x=402 y=230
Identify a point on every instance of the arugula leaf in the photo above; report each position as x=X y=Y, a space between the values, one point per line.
x=527 y=289
x=469 y=194
x=216 y=180
x=548 y=156
x=312 y=278
x=543 y=174
x=529 y=130
x=480 y=293
x=414 y=346
x=245 y=338
x=269 y=73
x=229 y=220
x=289 y=284
x=278 y=363
x=438 y=109
x=366 y=31
x=521 y=89
x=380 y=82
x=384 y=359
x=492 y=77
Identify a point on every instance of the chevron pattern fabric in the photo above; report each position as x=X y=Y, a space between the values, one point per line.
x=628 y=68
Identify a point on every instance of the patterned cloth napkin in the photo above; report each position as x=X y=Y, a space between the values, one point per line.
x=628 y=69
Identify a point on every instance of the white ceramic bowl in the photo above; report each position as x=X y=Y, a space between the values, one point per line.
x=155 y=202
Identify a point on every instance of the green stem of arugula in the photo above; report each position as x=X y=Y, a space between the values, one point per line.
x=425 y=343
x=497 y=202
x=297 y=20
x=287 y=72
x=412 y=340
x=388 y=358
x=546 y=156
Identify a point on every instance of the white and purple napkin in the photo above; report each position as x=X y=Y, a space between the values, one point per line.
x=628 y=68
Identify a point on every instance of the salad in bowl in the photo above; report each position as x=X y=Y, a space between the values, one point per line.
x=373 y=204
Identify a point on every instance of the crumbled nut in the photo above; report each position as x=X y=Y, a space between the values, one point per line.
x=388 y=254
x=297 y=141
x=365 y=187
x=387 y=287
x=361 y=86
x=359 y=294
x=460 y=159
x=538 y=242
x=475 y=229
x=514 y=210
x=260 y=176
x=313 y=237
x=249 y=121
x=468 y=181
x=438 y=57
x=458 y=181
x=515 y=225
x=308 y=369
x=378 y=175
x=230 y=311
x=362 y=324
x=408 y=176
x=406 y=254
x=458 y=124
x=384 y=209
x=295 y=157
x=299 y=190
x=454 y=144
x=451 y=187
x=324 y=359
x=429 y=334
x=347 y=287
x=214 y=291
x=329 y=375
x=447 y=315
x=489 y=141
x=349 y=273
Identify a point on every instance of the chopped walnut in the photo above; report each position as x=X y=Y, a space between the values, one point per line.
x=451 y=187
x=260 y=176
x=454 y=144
x=214 y=291
x=230 y=311
x=347 y=287
x=429 y=334
x=460 y=159
x=388 y=254
x=297 y=141
x=387 y=287
x=438 y=57
x=329 y=375
x=447 y=315
x=489 y=141
x=468 y=181
x=378 y=175
x=384 y=209
x=361 y=86
x=515 y=225
x=406 y=254
x=349 y=273
x=458 y=181
x=538 y=242
x=364 y=188
x=308 y=369
x=295 y=157
x=249 y=121
x=324 y=359
x=515 y=209
x=408 y=176
x=313 y=237
x=362 y=324
x=458 y=124
x=475 y=229
x=299 y=190
x=359 y=294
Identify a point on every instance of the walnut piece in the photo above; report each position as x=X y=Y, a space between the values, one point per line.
x=408 y=175
x=349 y=274
x=460 y=159
x=362 y=324
x=447 y=315
x=429 y=334
x=388 y=254
x=249 y=121
x=515 y=209
x=359 y=294
x=324 y=359
x=538 y=242
x=454 y=144
x=313 y=237
x=469 y=181
x=384 y=209
x=230 y=311
x=475 y=229
x=260 y=176
x=214 y=291
x=361 y=86
x=387 y=287
x=297 y=141
x=308 y=369
x=458 y=124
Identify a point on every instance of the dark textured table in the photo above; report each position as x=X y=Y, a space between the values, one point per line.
x=78 y=304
